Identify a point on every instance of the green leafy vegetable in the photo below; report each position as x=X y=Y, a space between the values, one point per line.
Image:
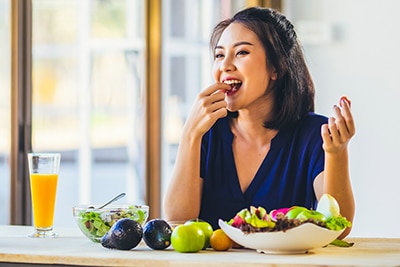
x=96 y=223
x=342 y=243
x=337 y=223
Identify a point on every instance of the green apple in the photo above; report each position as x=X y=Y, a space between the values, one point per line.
x=311 y=214
x=294 y=211
x=205 y=227
x=187 y=238
x=328 y=206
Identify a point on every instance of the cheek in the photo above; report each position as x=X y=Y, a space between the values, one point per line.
x=263 y=83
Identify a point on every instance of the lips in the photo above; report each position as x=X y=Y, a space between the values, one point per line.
x=235 y=86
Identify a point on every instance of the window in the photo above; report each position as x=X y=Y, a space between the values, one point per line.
x=187 y=63
x=88 y=59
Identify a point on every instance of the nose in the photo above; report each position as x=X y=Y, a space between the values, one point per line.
x=227 y=64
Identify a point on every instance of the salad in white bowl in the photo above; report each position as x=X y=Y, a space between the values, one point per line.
x=287 y=230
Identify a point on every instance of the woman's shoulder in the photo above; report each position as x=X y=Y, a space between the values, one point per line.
x=308 y=127
x=305 y=133
x=313 y=119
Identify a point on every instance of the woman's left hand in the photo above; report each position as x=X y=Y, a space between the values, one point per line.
x=340 y=129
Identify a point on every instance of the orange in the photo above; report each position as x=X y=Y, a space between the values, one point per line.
x=220 y=241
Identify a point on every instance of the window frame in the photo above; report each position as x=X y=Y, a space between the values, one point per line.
x=21 y=110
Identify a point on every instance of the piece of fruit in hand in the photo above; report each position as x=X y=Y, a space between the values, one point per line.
x=344 y=98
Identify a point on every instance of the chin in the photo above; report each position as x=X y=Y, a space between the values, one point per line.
x=231 y=107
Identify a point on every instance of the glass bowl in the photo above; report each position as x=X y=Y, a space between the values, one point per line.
x=95 y=223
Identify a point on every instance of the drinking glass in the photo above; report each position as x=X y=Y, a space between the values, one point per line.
x=43 y=172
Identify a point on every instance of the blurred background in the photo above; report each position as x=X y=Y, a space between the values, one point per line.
x=89 y=92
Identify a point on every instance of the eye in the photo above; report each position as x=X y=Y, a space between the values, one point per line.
x=218 y=56
x=242 y=53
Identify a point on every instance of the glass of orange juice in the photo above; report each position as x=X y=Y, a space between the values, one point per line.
x=43 y=172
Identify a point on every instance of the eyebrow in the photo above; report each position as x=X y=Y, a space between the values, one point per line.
x=235 y=45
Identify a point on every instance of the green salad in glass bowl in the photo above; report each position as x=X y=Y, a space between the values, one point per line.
x=95 y=223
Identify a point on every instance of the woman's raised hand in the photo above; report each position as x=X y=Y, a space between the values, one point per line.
x=340 y=129
x=209 y=106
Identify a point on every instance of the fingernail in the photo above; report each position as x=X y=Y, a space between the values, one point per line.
x=345 y=100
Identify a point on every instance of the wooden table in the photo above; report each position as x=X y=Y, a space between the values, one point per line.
x=73 y=249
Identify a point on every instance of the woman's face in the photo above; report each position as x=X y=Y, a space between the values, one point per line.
x=240 y=60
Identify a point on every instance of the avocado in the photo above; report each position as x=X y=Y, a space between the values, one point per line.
x=157 y=234
x=125 y=234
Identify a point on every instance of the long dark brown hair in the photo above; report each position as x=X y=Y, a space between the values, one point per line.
x=293 y=91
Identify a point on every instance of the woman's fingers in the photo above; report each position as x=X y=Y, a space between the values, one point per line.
x=212 y=99
x=214 y=88
x=209 y=106
x=339 y=124
x=340 y=128
x=346 y=112
x=344 y=118
x=326 y=136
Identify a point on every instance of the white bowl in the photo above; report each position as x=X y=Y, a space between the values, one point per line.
x=299 y=239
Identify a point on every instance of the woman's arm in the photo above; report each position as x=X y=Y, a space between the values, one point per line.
x=335 y=179
x=183 y=196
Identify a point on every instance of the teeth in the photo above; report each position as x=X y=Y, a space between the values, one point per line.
x=232 y=82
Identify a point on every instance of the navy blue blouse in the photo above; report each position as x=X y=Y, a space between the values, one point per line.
x=285 y=177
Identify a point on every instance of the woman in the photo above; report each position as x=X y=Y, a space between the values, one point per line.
x=252 y=137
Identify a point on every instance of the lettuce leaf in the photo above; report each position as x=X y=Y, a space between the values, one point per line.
x=337 y=223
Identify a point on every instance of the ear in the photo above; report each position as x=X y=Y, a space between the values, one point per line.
x=274 y=74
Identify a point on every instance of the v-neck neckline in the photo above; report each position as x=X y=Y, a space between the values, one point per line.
x=266 y=162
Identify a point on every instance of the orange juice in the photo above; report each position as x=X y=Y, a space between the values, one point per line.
x=43 y=190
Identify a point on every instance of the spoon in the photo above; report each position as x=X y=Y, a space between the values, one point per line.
x=109 y=202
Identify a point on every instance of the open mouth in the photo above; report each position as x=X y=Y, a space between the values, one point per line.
x=235 y=85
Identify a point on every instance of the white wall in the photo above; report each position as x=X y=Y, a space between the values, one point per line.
x=353 y=49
